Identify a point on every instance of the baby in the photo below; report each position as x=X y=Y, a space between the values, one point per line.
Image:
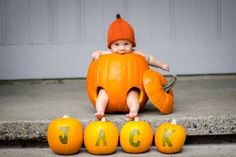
x=121 y=40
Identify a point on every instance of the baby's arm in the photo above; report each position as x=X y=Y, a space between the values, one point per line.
x=157 y=63
x=152 y=61
x=96 y=54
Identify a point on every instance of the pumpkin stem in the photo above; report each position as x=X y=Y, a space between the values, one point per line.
x=103 y=119
x=65 y=116
x=173 y=121
x=136 y=119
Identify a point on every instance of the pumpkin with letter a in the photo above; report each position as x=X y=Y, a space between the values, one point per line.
x=101 y=137
x=117 y=74
x=170 y=137
x=65 y=135
x=136 y=136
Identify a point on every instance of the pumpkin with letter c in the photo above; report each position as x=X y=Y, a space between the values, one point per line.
x=117 y=74
x=136 y=136
x=170 y=137
x=101 y=137
x=65 y=135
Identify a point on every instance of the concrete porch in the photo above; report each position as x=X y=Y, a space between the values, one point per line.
x=204 y=105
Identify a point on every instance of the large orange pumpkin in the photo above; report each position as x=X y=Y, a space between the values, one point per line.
x=117 y=74
x=170 y=137
x=153 y=84
x=65 y=135
x=136 y=136
x=101 y=137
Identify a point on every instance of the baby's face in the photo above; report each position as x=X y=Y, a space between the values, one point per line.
x=121 y=46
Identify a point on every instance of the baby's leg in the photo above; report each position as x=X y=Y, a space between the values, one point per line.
x=133 y=104
x=101 y=104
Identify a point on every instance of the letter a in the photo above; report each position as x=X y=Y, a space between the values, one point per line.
x=101 y=136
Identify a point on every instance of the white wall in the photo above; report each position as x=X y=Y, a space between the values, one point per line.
x=55 y=38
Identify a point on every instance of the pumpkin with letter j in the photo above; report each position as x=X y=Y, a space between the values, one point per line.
x=65 y=135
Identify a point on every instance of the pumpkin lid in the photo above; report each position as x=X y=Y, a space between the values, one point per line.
x=153 y=84
x=120 y=29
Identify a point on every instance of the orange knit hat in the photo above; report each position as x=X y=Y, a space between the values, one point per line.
x=120 y=29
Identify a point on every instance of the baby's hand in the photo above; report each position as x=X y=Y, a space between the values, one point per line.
x=96 y=54
x=165 y=67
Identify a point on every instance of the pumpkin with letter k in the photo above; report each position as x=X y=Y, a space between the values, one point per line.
x=170 y=137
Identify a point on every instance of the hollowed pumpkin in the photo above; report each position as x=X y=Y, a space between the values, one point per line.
x=117 y=74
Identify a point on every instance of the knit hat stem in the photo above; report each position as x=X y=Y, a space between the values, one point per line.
x=118 y=16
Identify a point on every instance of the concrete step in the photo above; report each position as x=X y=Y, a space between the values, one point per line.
x=204 y=105
x=209 y=150
x=34 y=133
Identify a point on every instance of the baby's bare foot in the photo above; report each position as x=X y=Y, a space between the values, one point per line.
x=132 y=116
x=99 y=115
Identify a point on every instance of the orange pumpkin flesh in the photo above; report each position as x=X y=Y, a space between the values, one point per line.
x=153 y=84
x=136 y=137
x=117 y=74
x=170 y=137
x=65 y=135
x=101 y=137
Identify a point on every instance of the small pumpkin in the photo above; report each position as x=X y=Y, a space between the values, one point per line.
x=117 y=74
x=101 y=137
x=153 y=84
x=65 y=135
x=136 y=136
x=170 y=137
